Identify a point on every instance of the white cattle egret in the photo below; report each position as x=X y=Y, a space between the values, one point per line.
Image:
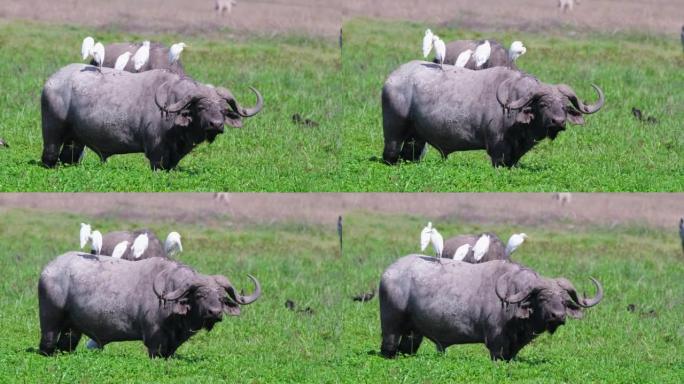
x=120 y=249
x=172 y=245
x=461 y=252
x=140 y=245
x=141 y=55
x=87 y=47
x=463 y=58
x=96 y=238
x=429 y=235
x=175 y=51
x=482 y=53
x=517 y=50
x=514 y=242
x=440 y=51
x=122 y=60
x=98 y=52
x=85 y=234
x=427 y=43
x=481 y=247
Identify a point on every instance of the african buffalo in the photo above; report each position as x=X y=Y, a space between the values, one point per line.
x=501 y=304
x=159 y=301
x=497 y=58
x=496 y=251
x=158 y=59
x=503 y=111
x=157 y=112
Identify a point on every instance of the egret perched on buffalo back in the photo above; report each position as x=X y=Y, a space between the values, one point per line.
x=429 y=235
x=140 y=245
x=517 y=50
x=96 y=238
x=172 y=245
x=514 y=242
x=482 y=53
x=141 y=55
x=120 y=249
x=175 y=51
x=481 y=247
x=427 y=43
x=87 y=47
x=122 y=60
x=461 y=252
x=463 y=58
x=84 y=235
x=98 y=54
x=440 y=51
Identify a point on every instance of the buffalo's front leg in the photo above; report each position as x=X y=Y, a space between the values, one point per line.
x=413 y=149
x=410 y=343
x=500 y=154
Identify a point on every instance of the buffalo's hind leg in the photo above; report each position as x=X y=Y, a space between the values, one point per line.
x=395 y=127
x=53 y=138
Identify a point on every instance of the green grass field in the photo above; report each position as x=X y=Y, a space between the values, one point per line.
x=270 y=153
x=340 y=341
x=612 y=152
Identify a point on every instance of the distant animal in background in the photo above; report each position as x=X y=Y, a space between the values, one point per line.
x=563 y=197
x=681 y=232
x=222 y=197
x=567 y=5
x=339 y=231
x=340 y=39
x=222 y=6
x=681 y=36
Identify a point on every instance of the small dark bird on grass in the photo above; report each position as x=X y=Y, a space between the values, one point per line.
x=339 y=231
x=297 y=119
x=3 y=143
x=289 y=304
x=640 y=116
x=365 y=296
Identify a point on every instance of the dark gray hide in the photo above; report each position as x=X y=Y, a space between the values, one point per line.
x=159 y=57
x=498 y=57
x=159 y=301
x=500 y=110
x=155 y=248
x=157 y=112
x=496 y=251
x=498 y=303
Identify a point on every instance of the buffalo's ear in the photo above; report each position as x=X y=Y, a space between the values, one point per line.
x=575 y=116
x=181 y=308
x=183 y=119
x=523 y=311
x=573 y=310
x=525 y=115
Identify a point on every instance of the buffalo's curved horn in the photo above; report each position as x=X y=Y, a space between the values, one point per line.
x=583 y=302
x=235 y=106
x=515 y=104
x=234 y=295
x=513 y=299
x=171 y=296
x=175 y=107
x=580 y=106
